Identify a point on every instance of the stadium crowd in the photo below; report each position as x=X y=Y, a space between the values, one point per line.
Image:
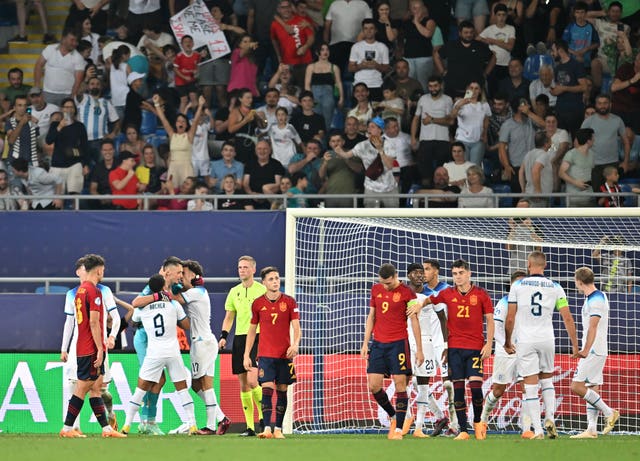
x=464 y=97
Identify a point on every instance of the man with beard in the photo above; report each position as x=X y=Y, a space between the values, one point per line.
x=408 y=89
x=570 y=86
x=468 y=60
x=96 y=114
x=10 y=196
x=607 y=128
x=432 y=118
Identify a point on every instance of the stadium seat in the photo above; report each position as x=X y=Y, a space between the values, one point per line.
x=504 y=202
x=53 y=290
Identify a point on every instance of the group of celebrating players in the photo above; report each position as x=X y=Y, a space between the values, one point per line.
x=450 y=322
x=412 y=330
x=176 y=297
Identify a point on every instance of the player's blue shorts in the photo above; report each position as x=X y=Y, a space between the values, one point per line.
x=140 y=344
x=86 y=370
x=464 y=363
x=281 y=371
x=390 y=358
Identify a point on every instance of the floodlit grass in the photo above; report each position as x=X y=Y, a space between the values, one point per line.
x=28 y=447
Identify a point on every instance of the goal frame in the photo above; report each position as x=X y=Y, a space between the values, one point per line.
x=292 y=214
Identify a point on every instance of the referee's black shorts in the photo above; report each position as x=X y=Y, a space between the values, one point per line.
x=237 y=353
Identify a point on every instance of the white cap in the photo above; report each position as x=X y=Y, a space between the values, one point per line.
x=134 y=76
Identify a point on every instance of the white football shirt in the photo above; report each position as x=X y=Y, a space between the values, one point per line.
x=199 y=308
x=159 y=320
x=596 y=304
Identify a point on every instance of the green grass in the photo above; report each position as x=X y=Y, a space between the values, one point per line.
x=315 y=447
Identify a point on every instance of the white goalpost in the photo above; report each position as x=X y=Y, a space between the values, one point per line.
x=332 y=258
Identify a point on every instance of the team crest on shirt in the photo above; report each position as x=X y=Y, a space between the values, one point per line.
x=98 y=301
x=473 y=300
x=283 y=307
x=396 y=297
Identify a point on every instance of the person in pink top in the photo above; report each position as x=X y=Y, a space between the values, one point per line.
x=243 y=69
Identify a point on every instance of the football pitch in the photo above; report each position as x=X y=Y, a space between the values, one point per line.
x=315 y=447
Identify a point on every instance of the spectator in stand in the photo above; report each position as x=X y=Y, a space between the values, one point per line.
x=41 y=112
x=216 y=73
x=39 y=182
x=10 y=196
x=441 y=185
x=180 y=141
x=142 y=12
x=576 y=170
x=352 y=135
x=516 y=139
x=123 y=181
x=475 y=186
x=613 y=34
x=285 y=140
x=243 y=122
x=379 y=180
x=133 y=142
x=262 y=175
x=244 y=70
x=292 y=38
x=200 y=158
x=342 y=25
x=543 y=85
x=386 y=28
x=309 y=162
x=581 y=36
x=152 y=44
x=323 y=78
x=187 y=187
x=227 y=165
x=308 y=123
x=59 y=69
x=70 y=158
x=457 y=169
x=229 y=190
x=94 y=9
x=119 y=78
x=21 y=13
x=467 y=60
x=430 y=129
x=261 y=15
x=16 y=86
x=369 y=60
x=268 y=111
x=282 y=80
x=626 y=95
x=501 y=38
x=150 y=171
x=408 y=89
x=560 y=143
x=186 y=65
x=391 y=106
x=417 y=32
x=515 y=85
x=500 y=113
x=200 y=204
x=536 y=172
x=611 y=187
x=608 y=129
x=363 y=110
x=476 y=10
x=571 y=84
x=542 y=23
x=86 y=35
x=337 y=174
x=135 y=102
x=99 y=183
x=398 y=144
x=472 y=113
x=99 y=118
x=22 y=133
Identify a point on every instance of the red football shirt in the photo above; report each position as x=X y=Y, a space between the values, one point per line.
x=187 y=65
x=465 y=316
x=289 y=44
x=391 y=312
x=88 y=298
x=274 y=318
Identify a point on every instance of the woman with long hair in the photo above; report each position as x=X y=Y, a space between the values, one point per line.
x=181 y=137
x=322 y=78
x=472 y=113
x=244 y=70
x=243 y=121
x=133 y=142
x=118 y=74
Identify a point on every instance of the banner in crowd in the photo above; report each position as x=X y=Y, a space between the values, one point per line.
x=196 y=21
x=33 y=395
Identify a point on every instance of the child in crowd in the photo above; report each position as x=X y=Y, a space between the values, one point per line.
x=186 y=66
x=300 y=183
x=612 y=188
x=284 y=138
x=392 y=106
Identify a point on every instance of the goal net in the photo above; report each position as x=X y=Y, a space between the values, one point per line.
x=332 y=258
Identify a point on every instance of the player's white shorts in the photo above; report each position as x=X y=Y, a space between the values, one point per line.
x=505 y=369
x=152 y=368
x=438 y=349
x=590 y=370
x=429 y=366
x=534 y=358
x=203 y=357
x=71 y=367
